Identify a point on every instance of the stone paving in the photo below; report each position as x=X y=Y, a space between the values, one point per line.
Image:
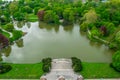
x=62 y=68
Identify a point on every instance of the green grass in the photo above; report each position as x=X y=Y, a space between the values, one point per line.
x=34 y=71
x=32 y=18
x=24 y=71
x=7 y=35
x=98 y=70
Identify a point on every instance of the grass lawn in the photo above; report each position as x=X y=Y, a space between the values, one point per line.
x=24 y=71
x=7 y=35
x=98 y=70
x=34 y=71
x=32 y=18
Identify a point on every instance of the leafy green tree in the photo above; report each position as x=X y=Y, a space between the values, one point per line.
x=110 y=27
x=117 y=37
x=69 y=15
x=36 y=10
x=0 y=12
x=84 y=26
x=13 y=7
x=27 y=9
x=19 y=16
x=95 y=32
x=6 y=14
x=91 y=16
x=51 y=17
x=3 y=20
x=59 y=11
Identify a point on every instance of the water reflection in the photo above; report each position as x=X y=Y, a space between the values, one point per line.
x=19 y=43
x=28 y=24
x=82 y=33
x=48 y=27
x=95 y=44
x=68 y=28
x=20 y=24
x=6 y=51
x=54 y=41
x=56 y=29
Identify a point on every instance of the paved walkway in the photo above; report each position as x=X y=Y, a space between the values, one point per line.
x=61 y=68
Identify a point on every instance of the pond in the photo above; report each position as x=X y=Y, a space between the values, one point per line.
x=44 y=40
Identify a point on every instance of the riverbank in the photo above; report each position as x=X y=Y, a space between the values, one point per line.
x=34 y=71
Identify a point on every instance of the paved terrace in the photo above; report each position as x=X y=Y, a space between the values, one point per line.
x=61 y=68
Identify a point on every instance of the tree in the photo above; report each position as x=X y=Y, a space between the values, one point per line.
x=13 y=7
x=19 y=16
x=69 y=15
x=95 y=32
x=59 y=11
x=36 y=10
x=3 y=20
x=40 y=15
x=51 y=17
x=91 y=16
x=84 y=26
x=0 y=12
x=3 y=41
x=27 y=9
x=117 y=37
x=110 y=27
x=103 y=30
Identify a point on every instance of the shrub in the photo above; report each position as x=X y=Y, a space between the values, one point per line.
x=76 y=64
x=4 y=68
x=116 y=61
x=46 y=64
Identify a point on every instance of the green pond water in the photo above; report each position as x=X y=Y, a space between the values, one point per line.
x=44 y=40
